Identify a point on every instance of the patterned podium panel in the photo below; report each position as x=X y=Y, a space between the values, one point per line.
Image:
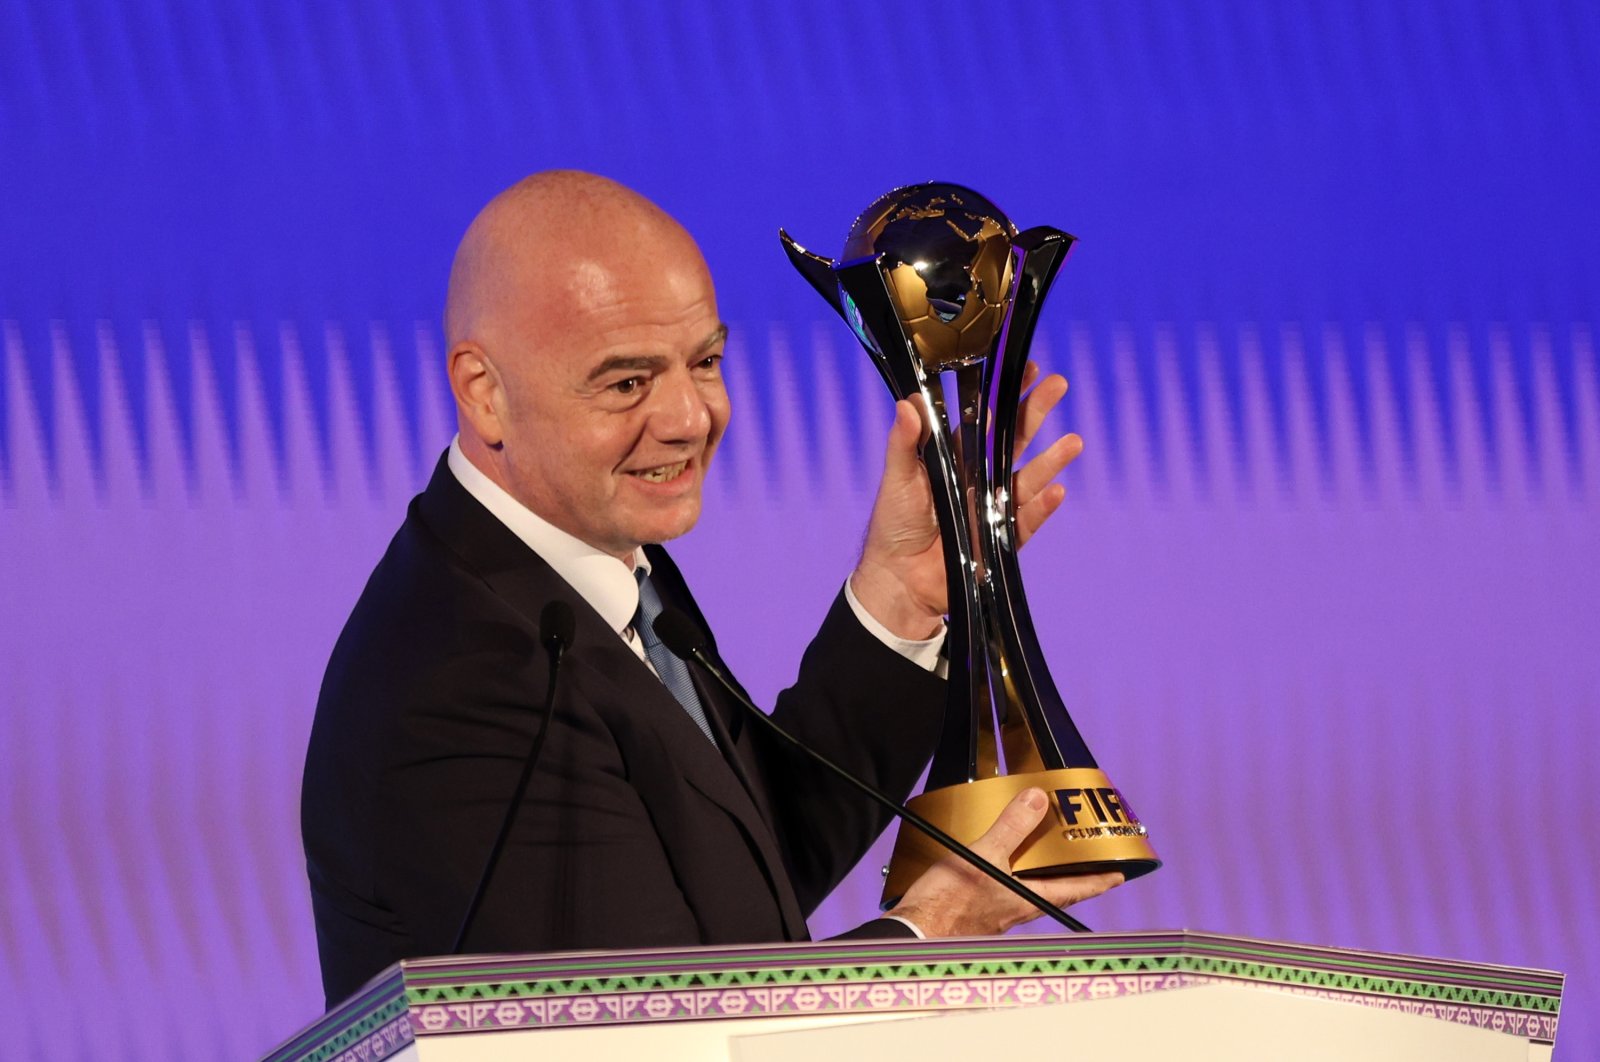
x=478 y=994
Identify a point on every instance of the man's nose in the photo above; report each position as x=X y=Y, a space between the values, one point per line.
x=680 y=412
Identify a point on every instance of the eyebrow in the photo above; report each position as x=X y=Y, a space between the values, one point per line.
x=650 y=362
x=718 y=335
x=628 y=363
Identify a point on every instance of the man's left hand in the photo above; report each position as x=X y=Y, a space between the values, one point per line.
x=900 y=578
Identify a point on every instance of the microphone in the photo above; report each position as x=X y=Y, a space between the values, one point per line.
x=557 y=626
x=684 y=639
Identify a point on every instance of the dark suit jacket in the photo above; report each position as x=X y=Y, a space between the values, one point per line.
x=636 y=831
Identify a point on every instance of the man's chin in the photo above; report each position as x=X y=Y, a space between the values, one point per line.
x=671 y=526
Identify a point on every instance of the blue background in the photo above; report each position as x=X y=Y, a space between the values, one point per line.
x=1329 y=326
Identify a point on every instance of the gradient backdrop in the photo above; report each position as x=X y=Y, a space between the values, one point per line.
x=1323 y=595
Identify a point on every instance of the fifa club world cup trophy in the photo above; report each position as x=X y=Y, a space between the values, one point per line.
x=944 y=292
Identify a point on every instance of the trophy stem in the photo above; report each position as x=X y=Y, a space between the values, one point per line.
x=967 y=749
x=972 y=391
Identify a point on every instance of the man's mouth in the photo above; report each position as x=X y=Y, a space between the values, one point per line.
x=662 y=473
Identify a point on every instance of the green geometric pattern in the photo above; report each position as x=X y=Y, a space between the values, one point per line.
x=701 y=979
x=691 y=980
x=1371 y=985
x=1058 y=966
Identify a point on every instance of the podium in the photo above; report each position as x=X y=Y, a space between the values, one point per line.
x=1139 y=995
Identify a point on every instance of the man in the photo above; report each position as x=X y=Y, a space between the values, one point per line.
x=585 y=356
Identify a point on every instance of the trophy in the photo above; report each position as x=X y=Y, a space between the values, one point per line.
x=944 y=293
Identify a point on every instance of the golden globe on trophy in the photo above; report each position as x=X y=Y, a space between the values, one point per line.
x=935 y=280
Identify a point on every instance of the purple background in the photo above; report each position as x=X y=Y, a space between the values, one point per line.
x=1322 y=598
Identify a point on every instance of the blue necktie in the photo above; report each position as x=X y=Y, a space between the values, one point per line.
x=674 y=673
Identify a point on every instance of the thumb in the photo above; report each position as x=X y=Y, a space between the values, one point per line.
x=1016 y=821
x=906 y=437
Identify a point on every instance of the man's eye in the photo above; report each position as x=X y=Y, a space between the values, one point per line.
x=628 y=386
x=711 y=361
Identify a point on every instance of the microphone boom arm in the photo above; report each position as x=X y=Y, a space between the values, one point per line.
x=674 y=629
x=556 y=624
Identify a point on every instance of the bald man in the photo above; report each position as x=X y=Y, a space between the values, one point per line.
x=585 y=357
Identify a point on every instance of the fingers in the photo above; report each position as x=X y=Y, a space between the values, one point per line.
x=1019 y=819
x=1016 y=821
x=1036 y=496
x=1036 y=405
x=1069 y=890
x=1031 y=517
x=1034 y=476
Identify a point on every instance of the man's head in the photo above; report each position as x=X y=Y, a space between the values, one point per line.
x=584 y=355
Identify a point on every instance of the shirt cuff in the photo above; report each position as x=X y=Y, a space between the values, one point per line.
x=924 y=653
x=908 y=923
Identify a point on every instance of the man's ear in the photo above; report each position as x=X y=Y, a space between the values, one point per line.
x=480 y=395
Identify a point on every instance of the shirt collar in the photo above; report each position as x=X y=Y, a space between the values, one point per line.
x=606 y=583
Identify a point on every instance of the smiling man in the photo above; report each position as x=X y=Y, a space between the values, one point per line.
x=585 y=356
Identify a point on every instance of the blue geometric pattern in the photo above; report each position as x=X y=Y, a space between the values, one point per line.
x=1187 y=387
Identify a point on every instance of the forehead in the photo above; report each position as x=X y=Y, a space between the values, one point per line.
x=603 y=309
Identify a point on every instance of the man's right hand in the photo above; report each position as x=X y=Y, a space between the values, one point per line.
x=954 y=899
x=900 y=579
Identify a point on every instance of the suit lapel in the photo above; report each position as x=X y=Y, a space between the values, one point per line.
x=732 y=728
x=611 y=670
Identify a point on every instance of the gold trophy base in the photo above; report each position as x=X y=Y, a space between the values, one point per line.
x=1091 y=833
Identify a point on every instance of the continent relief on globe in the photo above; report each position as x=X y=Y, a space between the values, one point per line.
x=947 y=262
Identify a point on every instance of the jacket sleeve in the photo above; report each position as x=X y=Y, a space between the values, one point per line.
x=871 y=711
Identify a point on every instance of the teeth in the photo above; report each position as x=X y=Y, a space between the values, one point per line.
x=664 y=473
